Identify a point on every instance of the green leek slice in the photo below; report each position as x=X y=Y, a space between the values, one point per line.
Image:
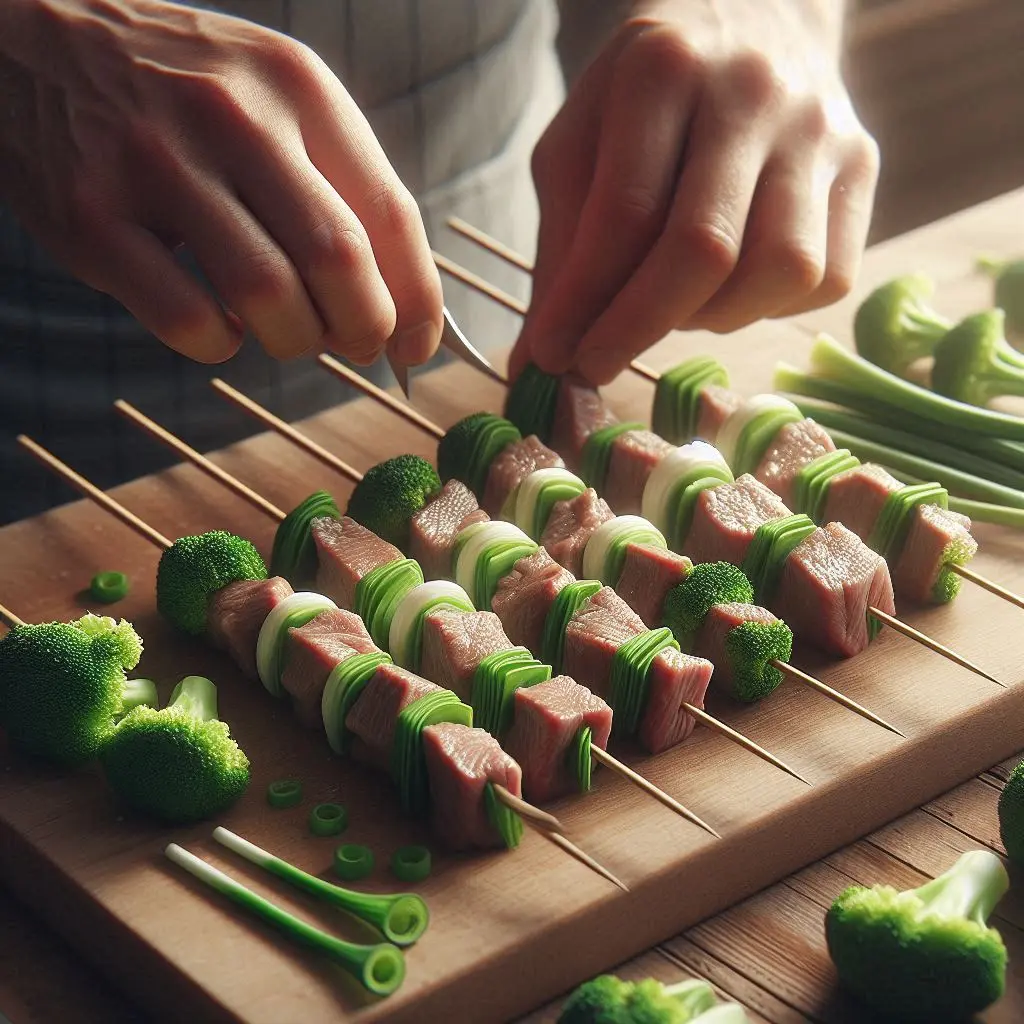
x=344 y=685
x=889 y=533
x=405 y=636
x=563 y=609
x=495 y=681
x=674 y=473
x=505 y=821
x=629 y=683
x=271 y=645
x=537 y=494
x=531 y=402
x=379 y=593
x=773 y=543
x=813 y=482
x=605 y=553
x=294 y=554
x=597 y=452
x=677 y=397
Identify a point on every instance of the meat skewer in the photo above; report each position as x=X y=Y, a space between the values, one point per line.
x=12 y=619
x=258 y=501
x=443 y=747
x=690 y=709
x=417 y=419
x=872 y=477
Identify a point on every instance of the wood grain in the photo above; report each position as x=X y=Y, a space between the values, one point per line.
x=535 y=914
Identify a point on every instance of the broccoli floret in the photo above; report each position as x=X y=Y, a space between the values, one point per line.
x=895 y=325
x=707 y=584
x=391 y=494
x=750 y=647
x=178 y=764
x=925 y=954
x=609 y=1000
x=193 y=569
x=61 y=684
x=974 y=362
x=1009 y=289
x=1011 y=815
x=467 y=450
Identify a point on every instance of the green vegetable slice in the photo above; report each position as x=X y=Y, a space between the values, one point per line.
x=749 y=648
x=773 y=543
x=757 y=435
x=504 y=820
x=496 y=561
x=677 y=397
x=581 y=762
x=495 y=681
x=405 y=637
x=294 y=554
x=408 y=765
x=629 y=684
x=468 y=449
x=284 y=793
x=707 y=584
x=379 y=592
x=889 y=533
x=272 y=643
x=597 y=453
x=536 y=496
x=812 y=483
x=343 y=687
x=565 y=606
x=109 y=587
x=411 y=863
x=352 y=861
x=683 y=504
x=605 y=553
x=531 y=402
x=328 y=819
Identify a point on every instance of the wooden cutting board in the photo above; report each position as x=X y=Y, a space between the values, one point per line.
x=508 y=930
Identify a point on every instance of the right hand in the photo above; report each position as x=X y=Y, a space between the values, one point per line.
x=132 y=127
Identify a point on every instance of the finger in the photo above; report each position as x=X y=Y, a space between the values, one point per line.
x=850 y=205
x=246 y=267
x=131 y=265
x=341 y=144
x=325 y=242
x=784 y=246
x=698 y=247
x=642 y=137
x=563 y=166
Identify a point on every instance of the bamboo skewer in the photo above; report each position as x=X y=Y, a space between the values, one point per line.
x=233 y=483
x=546 y=824
x=266 y=417
x=492 y=245
x=784 y=667
x=10 y=617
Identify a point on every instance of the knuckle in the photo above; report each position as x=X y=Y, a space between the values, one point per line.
x=753 y=83
x=709 y=245
x=336 y=249
x=288 y=59
x=813 y=121
x=836 y=284
x=634 y=210
x=864 y=158
x=660 y=58
x=800 y=266
x=263 y=281
x=393 y=210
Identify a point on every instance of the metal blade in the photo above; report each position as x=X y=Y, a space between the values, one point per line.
x=401 y=375
x=455 y=341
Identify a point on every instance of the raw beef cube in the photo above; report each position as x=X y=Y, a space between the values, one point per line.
x=454 y=643
x=525 y=596
x=236 y=614
x=432 y=530
x=512 y=466
x=570 y=525
x=347 y=552
x=633 y=457
x=648 y=574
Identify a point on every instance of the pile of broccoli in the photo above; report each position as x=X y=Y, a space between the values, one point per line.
x=610 y=1000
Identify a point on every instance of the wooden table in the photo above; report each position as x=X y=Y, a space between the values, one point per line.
x=767 y=951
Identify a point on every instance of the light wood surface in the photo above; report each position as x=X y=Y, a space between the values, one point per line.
x=510 y=931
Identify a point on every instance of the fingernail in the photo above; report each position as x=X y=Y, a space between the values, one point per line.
x=415 y=345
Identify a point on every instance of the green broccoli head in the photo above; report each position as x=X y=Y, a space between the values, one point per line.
x=193 y=569
x=974 y=362
x=390 y=494
x=1009 y=288
x=609 y=1000
x=467 y=450
x=925 y=954
x=1011 y=815
x=750 y=647
x=895 y=325
x=178 y=764
x=61 y=685
x=707 y=584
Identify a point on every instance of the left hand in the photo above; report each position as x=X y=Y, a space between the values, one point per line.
x=697 y=177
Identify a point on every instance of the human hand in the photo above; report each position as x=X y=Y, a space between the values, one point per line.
x=697 y=177
x=132 y=127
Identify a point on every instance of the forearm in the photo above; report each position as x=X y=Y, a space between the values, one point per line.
x=586 y=25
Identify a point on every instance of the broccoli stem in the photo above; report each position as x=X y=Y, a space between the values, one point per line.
x=970 y=889
x=380 y=968
x=970 y=475
x=991 y=265
x=694 y=996
x=401 y=918
x=831 y=361
x=138 y=693
x=197 y=695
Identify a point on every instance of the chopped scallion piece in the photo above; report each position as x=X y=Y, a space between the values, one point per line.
x=109 y=587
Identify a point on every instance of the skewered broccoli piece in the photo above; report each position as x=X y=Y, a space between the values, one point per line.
x=750 y=647
x=707 y=584
x=974 y=362
x=178 y=764
x=1011 y=815
x=925 y=954
x=194 y=568
x=895 y=325
x=1009 y=289
x=609 y=1000
x=61 y=684
x=391 y=494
